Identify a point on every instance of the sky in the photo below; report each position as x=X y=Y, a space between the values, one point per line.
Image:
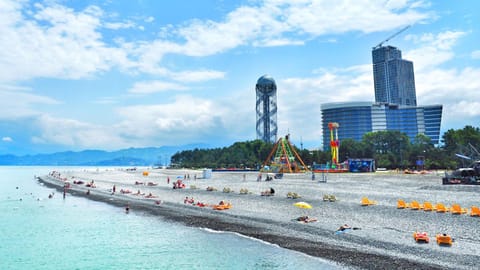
x=109 y=75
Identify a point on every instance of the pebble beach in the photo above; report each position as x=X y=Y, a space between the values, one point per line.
x=384 y=239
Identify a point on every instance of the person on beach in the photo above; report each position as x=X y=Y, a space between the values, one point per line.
x=127 y=209
x=344 y=227
x=306 y=219
x=168 y=180
x=114 y=188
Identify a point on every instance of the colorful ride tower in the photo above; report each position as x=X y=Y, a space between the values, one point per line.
x=334 y=142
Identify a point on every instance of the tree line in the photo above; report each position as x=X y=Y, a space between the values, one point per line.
x=389 y=149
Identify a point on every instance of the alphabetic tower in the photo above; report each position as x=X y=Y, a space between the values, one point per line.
x=266 y=108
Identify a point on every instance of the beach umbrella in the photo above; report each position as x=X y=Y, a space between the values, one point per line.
x=303 y=205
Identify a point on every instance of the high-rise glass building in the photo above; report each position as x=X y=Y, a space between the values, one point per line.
x=266 y=108
x=357 y=118
x=393 y=77
x=395 y=106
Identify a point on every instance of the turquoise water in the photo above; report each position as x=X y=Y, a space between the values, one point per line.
x=76 y=233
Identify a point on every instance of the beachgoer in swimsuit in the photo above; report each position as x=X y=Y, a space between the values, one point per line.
x=344 y=227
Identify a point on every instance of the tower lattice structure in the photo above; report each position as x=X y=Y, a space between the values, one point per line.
x=266 y=109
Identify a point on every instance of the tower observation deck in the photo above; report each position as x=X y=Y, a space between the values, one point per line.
x=266 y=109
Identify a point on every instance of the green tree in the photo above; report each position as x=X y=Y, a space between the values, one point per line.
x=350 y=148
x=391 y=146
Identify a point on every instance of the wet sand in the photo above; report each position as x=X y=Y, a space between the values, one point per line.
x=384 y=241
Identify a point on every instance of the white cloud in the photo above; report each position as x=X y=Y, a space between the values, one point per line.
x=455 y=88
x=149 y=87
x=183 y=120
x=55 y=41
x=149 y=19
x=280 y=22
x=119 y=25
x=333 y=85
x=476 y=54
x=197 y=76
x=69 y=44
x=7 y=139
x=433 y=49
x=18 y=102
x=76 y=134
x=321 y=17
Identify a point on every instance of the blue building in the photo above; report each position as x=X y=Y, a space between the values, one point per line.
x=357 y=118
x=393 y=77
x=395 y=107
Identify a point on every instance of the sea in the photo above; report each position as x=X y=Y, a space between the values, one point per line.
x=38 y=232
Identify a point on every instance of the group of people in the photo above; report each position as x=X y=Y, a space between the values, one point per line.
x=189 y=200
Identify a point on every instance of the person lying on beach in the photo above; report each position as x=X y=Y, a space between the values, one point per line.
x=268 y=192
x=138 y=193
x=306 y=219
x=91 y=184
x=346 y=227
x=201 y=204
x=150 y=195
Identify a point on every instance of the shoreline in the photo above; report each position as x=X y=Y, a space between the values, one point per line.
x=348 y=251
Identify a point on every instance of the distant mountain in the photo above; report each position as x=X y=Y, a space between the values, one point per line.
x=125 y=157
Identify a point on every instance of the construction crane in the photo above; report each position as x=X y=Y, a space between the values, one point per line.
x=390 y=37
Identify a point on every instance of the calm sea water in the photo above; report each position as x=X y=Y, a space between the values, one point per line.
x=75 y=233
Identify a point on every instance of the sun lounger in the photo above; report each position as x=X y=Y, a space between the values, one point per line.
x=401 y=204
x=427 y=206
x=457 y=210
x=227 y=190
x=475 y=211
x=366 y=202
x=293 y=195
x=444 y=239
x=440 y=207
x=329 y=198
x=414 y=205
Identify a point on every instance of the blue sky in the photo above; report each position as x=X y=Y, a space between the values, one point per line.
x=115 y=74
